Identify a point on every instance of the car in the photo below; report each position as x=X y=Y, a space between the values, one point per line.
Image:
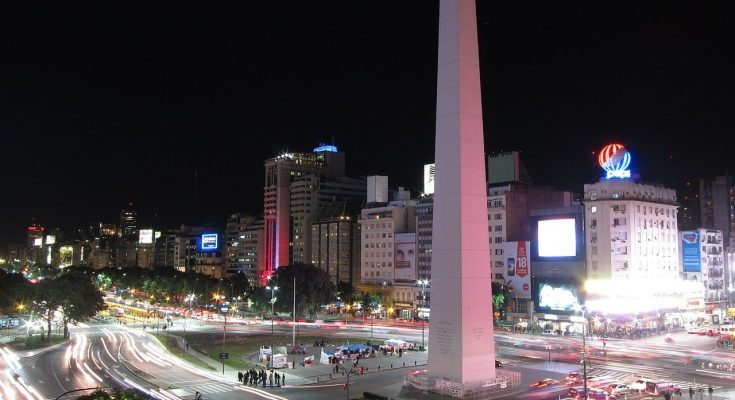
x=544 y=383
x=498 y=364
x=618 y=389
x=712 y=332
x=548 y=332
x=639 y=385
x=573 y=378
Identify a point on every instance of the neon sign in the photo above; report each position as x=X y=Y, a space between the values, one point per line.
x=325 y=147
x=615 y=160
x=210 y=241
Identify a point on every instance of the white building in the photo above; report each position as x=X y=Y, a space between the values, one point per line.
x=702 y=259
x=631 y=231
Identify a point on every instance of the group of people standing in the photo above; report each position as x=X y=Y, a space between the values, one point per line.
x=253 y=377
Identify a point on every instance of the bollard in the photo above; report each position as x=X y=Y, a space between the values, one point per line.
x=378 y=367
x=404 y=363
x=330 y=376
x=391 y=365
x=414 y=363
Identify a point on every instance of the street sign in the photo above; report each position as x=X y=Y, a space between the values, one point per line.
x=223 y=356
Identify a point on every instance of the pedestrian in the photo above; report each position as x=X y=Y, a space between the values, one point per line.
x=239 y=376
x=278 y=379
x=270 y=378
x=691 y=392
x=710 y=390
x=283 y=379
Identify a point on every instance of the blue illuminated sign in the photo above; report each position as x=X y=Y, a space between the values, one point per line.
x=325 y=147
x=690 y=251
x=210 y=241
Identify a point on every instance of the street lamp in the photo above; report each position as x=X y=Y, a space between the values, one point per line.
x=584 y=346
x=423 y=284
x=273 y=302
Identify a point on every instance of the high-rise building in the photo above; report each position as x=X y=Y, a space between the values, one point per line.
x=717 y=205
x=335 y=241
x=129 y=224
x=165 y=251
x=308 y=194
x=702 y=259
x=253 y=243
x=280 y=172
x=631 y=231
x=380 y=227
x=199 y=249
x=240 y=250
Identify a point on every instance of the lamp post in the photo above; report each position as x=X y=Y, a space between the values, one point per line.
x=273 y=302
x=224 y=338
x=584 y=348
x=423 y=284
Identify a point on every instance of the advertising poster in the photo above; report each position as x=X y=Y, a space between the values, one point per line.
x=556 y=296
x=146 y=236
x=691 y=257
x=210 y=241
x=66 y=254
x=517 y=272
x=429 y=174
x=405 y=257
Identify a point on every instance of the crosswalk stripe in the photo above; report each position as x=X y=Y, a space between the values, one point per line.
x=621 y=376
x=211 y=388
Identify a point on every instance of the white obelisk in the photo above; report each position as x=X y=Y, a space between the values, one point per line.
x=461 y=343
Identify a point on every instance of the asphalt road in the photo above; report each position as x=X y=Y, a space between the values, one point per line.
x=107 y=354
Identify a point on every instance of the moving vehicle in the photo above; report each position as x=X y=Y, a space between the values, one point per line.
x=727 y=332
x=574 y=378
x=544 y=383
x=639 y=385
x=592 y=394
x=657 y=388
x=618 y=389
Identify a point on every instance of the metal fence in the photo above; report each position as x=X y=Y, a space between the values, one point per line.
x=504 y=382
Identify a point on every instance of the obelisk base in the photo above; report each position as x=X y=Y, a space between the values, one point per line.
x=504 y=383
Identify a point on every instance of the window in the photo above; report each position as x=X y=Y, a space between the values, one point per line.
x=594 y=265
x=498 y=240
x=593 y=223
x=593 y=209
x=498 y=228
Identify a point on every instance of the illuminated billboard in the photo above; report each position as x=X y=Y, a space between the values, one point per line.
x=157 y=235
x=37 y=242
x=66 y=258
x=517 y=272
x=145 y=236
x=690 y=252
x=429 y=178
x=50 y=239
x=557 y=238
x=209 y=242
x=556 y=296
x=615 y=160
x=405 y=257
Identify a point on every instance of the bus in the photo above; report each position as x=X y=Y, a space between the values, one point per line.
x=727 y=332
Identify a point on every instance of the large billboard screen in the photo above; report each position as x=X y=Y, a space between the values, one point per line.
x=517 y=272
x=37 y=242
x=145 y=236
x=405 y=257
x=429 y=174
x=209 y=242
x=690 y=251
x=556 y=295
x=66 y=256
x=50 y=239
x=557 y=238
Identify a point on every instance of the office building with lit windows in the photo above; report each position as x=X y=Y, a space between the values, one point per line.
x=335 y=241
x=280 y=173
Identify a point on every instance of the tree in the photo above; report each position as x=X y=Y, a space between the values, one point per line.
x=15 y=290
x=346 y=292
x=313 y=287
x=501 y=294
x=81 y=301
x=370 y=301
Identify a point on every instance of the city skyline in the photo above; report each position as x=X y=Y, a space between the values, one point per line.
x=94 y=122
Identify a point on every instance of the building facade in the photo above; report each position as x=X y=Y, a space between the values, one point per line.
x=280 y=172
x=335 y=241
x=631 y=231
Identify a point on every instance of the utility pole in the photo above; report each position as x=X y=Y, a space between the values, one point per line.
x=293 y=342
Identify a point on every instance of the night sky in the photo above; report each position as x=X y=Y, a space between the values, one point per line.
x=106 y=103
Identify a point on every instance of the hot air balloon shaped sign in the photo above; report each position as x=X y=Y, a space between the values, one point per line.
x=615 y=160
